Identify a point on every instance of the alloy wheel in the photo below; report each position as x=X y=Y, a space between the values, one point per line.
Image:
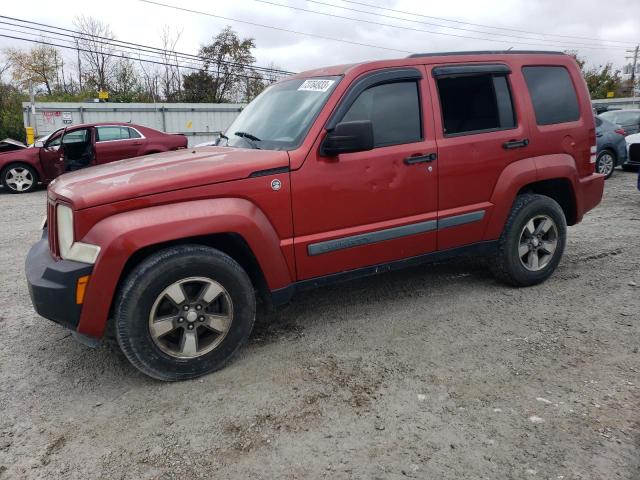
x=538 y=242
x=191 y=317
x=19 y=179
x=605 y=164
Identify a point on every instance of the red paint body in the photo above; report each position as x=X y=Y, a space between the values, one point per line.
x=49 y=164
x=126 y=206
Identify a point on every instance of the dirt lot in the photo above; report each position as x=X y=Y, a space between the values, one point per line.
x=437 y=372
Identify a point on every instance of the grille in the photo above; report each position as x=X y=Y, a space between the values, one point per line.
x=51 y=228
x=634 y=153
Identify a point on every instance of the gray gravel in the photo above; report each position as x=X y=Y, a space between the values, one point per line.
x=436 y=372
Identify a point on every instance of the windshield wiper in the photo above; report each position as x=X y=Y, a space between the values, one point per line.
x=251 y=139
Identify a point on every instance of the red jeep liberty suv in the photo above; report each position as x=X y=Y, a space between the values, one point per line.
x=327 y=175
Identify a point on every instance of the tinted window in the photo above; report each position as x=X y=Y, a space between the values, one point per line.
x=394 y=110
x=475 y=103
x=552 y=93
x=598 y=121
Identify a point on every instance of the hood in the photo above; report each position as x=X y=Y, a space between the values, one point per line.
x=161 y=172
x=9 y=144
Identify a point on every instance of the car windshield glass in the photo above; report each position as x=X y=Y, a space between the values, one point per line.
x=280 y=117
x=620 y=117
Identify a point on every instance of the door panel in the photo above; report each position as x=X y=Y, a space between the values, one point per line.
x=51 y=157
x=469 y=165
x=365 y=208
x=112 y=147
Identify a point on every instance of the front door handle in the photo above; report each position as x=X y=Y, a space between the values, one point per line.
x=516 y=143
x=420 y=158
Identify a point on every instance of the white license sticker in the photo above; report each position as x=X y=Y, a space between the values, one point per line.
x=316 y=85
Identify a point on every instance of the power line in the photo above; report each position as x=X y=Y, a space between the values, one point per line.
x=208 y=14
x=468 y=23
x=439 y=25
x=42 y=42
x=431 y=32
x=114 y=42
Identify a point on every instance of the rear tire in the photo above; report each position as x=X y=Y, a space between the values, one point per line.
x=532 y=242
x=19 y=178
x=606 y=163
x=184 y=312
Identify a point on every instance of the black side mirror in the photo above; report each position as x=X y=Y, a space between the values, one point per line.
x=347 y=137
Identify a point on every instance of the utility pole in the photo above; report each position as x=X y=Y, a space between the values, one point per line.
x=633 y=70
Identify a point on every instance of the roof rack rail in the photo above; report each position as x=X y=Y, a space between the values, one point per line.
x=487 y=52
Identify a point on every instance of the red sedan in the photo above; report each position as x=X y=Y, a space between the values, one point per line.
x=80 y=146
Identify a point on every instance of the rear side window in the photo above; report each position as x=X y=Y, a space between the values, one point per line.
x=133 y=133
x=394 y=111
x=106 y=134
x=552 y=94
x=475 y=103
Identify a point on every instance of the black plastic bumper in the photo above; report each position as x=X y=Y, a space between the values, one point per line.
x=52 y=284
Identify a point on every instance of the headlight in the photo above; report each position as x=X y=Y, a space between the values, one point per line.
x=70 y=250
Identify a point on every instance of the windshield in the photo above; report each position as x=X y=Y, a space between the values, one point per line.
x=280 y=117
x=621 y=117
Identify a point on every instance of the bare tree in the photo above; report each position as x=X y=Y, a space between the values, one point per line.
x=171 y=78
x=96 y=51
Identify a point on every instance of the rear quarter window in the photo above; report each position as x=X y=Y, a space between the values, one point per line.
x=552 y=93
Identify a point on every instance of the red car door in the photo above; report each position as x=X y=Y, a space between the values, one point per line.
x=480 y=129
x=51 y=157
x=116 y=143
x=372 y=207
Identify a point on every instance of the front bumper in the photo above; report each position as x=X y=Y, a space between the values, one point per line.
x=52 y=284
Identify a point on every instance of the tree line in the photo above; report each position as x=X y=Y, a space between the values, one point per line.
x=223 y=71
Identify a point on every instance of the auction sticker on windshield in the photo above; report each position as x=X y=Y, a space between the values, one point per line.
x=316 y=85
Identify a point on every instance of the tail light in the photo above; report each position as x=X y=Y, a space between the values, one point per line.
x=620 y=131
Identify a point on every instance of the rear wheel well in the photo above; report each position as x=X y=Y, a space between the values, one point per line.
x=560 y=190
x=232 y=244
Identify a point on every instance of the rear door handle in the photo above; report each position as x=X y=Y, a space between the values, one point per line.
x=136 y=143
x=516 y=144
x=419 y=158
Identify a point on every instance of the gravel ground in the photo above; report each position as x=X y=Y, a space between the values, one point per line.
x=436 y=372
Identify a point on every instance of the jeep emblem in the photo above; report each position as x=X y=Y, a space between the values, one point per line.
x=276 y=184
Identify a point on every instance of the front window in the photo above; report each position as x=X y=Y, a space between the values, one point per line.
x=394 y=111
x=280 y=117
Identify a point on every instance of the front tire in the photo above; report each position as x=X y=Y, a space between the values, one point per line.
x=606 y=163
x=532 y=242
x=19 y=178
x=184 y=312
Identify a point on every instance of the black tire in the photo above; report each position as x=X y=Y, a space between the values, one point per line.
x=30 y=172
x=629 y=168
x=147 y=281
x=508 y=266
x=600 y=162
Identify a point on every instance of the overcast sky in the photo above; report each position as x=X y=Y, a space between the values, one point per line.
x=599 y=23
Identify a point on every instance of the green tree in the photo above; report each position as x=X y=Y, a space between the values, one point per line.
x=223 y=76
x=600 y=79
x=11 y=122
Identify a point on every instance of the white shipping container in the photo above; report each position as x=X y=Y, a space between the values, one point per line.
x=198 y=121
